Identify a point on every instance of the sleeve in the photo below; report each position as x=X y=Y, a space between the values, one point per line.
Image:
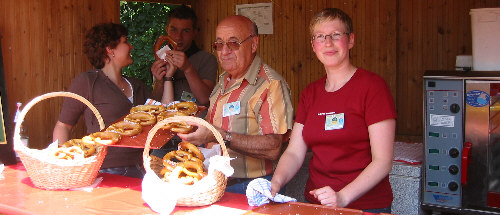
x=72 y=109
x=379 y=102
x=208 y=69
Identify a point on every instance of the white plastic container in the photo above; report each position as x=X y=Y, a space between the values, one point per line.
x=485 y=39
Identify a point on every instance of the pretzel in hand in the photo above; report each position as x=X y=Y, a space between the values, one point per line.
x=159 y=42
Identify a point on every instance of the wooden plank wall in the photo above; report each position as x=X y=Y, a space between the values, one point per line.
x=289 y=51
x=430 y=34
x=42 y=44
x=398 y=39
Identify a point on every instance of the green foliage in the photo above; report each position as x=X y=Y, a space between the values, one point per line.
x=145 y=23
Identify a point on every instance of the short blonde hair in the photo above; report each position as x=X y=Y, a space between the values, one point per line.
x=330 y=14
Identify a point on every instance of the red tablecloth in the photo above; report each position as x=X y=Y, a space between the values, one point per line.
x=114 y=195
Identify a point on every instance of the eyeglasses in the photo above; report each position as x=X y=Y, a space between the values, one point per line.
x=233 y=45
x=321 y=38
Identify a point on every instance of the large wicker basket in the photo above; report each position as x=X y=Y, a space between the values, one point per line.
x=48 y=173
x=203 y=192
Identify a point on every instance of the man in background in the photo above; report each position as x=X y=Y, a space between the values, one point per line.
x=195 y=70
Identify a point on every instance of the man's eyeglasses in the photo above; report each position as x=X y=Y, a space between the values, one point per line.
x=233 y=45
x=321 y=38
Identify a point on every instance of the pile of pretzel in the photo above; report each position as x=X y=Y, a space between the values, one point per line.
x=79 y=149
x=184 y=165
x=144 y=115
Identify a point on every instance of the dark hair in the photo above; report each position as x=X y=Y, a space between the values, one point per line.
x=329 y=14
x=98 y=38
x=184 y=12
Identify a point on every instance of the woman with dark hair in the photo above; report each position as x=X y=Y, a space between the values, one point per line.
x=113 y=95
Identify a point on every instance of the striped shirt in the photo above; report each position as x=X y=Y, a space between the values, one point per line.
x=265 y=107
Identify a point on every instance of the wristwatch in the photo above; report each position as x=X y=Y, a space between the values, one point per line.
x=227 y=139
x=165 y=78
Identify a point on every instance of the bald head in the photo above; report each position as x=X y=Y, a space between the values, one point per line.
x=241 y=33
x=242 y=22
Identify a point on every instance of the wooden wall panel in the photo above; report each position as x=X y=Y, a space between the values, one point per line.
x=42 y=49
x=288 y=50
x=430 y=34
x=398 y=39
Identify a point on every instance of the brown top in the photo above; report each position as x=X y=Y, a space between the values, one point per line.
x=111 y=103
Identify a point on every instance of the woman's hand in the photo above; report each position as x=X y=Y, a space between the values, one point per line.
x=275 y=186
x=327 y=196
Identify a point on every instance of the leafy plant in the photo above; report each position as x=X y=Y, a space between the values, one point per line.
x=145 y=23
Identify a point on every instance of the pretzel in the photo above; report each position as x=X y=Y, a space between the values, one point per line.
x=189 y=108
x=192 y=149
x=142 y=118
x=152 y=109
x=71 y=153
x=161 y=39
x=187 y=172
x=168 y=166
x=102 y=138
x=88 y=149
x=184 y=165
x=125 y=128
x=167 y=114
x=179 y=127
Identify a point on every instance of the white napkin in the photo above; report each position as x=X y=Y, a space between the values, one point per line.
x=162 y=53
x=259 y=193
x=153 y=102
x=153 y=188
x=153 y=193
x=221 y=163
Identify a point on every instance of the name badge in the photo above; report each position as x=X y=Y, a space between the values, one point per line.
x=188 y=97
x=231 y=109
x=334 y=121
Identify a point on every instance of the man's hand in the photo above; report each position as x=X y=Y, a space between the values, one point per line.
x=198 y=137
x=161 y=68
x=178 y=59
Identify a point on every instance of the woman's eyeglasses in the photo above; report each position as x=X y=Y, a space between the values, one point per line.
x=233 y=45
x=321 y=38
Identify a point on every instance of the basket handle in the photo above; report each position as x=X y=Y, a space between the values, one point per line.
x=27 y=107
x=197 y=120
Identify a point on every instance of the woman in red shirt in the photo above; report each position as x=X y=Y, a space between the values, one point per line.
x=347 y=119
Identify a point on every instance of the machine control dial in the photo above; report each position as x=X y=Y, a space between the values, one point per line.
x=453 y=186
x=454 y=108
x=454 y=152
x=453 y=169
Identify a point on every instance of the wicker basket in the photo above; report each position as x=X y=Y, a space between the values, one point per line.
x=203 y=192
x=48 y=173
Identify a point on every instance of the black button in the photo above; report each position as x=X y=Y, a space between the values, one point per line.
x=455 y=108
x=453 y=186
x=453 y=169
x=454 y=152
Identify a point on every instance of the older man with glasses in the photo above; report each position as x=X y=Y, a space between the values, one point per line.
x=250 y=105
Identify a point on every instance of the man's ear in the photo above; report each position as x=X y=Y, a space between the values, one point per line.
x=255 y=43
